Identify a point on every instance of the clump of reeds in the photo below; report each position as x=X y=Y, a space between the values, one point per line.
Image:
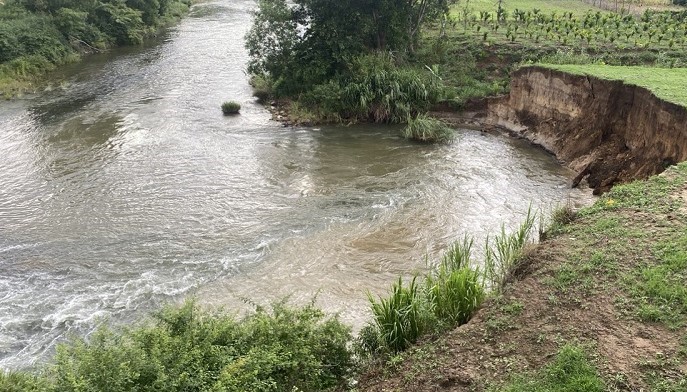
x=231 y=107
x=427 y=129
x=452 y=291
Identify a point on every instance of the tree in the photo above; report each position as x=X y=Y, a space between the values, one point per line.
x=301 y=45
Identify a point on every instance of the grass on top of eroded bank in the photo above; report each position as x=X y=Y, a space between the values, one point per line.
x=666 y=83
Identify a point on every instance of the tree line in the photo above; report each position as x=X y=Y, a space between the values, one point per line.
x=36 y=35
x=345 y=58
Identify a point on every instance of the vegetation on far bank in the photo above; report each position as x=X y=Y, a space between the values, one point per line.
x=464 y=51
x=666 y=83
x=36 y=35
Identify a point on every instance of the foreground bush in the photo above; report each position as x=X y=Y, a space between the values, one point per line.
x=427 y=129
x=188 y=349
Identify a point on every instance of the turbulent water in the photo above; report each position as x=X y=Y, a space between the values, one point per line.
x=122 y=188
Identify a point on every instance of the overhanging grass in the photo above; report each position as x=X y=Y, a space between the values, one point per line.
x=666 y=83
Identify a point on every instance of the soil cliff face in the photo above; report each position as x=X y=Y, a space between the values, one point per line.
x=608 y=131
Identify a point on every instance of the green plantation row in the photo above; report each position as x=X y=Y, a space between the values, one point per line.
x=596 y=30
x=37 y=35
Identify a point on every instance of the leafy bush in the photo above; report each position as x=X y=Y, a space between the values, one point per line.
x=231 y=107
x=188 y=349
x=427 y=129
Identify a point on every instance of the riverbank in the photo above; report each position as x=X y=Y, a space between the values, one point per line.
x=611 y=282
x=37 y=37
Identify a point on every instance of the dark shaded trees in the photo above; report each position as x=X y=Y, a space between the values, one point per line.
x=312 y=41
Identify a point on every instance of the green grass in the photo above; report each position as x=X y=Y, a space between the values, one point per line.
x=427 y=130
x=666 y=83
x=578 y=7
x=231 y=107
x=570 y=371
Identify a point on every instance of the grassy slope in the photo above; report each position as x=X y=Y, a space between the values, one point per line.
x=669 y=84
x=611 y=282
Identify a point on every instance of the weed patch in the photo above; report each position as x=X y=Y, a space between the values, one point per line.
x=570 y=371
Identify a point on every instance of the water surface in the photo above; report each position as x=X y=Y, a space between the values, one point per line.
x=122 y=188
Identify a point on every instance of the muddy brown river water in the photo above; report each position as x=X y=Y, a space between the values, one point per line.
x=123 y=188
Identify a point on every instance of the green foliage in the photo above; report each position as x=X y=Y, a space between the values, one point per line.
x=380 y=91
x=188 y=349
x=454 y=289
x=505 y=252
x=451 y=293
x=401 y=318
x=570 y=371
x=427 y=129
x=37 y=35
x=231 y=107
x=314 y=42
x=21 y=382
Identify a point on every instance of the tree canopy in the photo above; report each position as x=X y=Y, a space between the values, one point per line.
x=308 y=42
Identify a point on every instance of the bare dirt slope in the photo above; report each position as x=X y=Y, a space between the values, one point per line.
x=608 y=131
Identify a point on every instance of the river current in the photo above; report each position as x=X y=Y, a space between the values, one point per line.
x=124 y=188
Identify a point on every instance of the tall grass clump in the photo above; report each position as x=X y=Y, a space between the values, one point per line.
x=381 y=91
x=400 y=318
x=452 y=291
x=21 y=382
x=188 y=349
x=504 y=253
x=231 y=107
x=454 y=288
x=423 y=128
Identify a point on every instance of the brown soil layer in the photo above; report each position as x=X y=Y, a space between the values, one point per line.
x=606 y=130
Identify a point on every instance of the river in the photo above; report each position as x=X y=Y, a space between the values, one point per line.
x=124 y=188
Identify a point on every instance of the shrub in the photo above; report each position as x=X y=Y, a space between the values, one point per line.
x=188 y=349
x=231 y=107
x=427 y=129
